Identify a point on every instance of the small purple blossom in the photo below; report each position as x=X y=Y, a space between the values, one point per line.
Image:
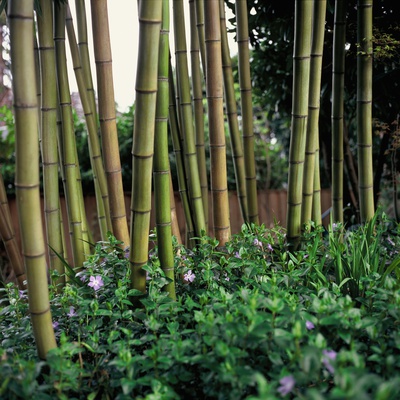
x=96 y=282
x=72 y=312
x=127 y=253
x=269 y=247
x=189 y=276
x=287 y=385
x=309 y=325
x=329 y=355
x=22 y=294
x=55 y=325
x=390 y=241
x=257 y=242
x=237 y=255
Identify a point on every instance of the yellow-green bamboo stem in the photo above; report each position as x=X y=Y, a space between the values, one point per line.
x=38 y=79
x=301 y=78
x=7 y=235
x=219 y=181
x=185 y=107
x=317 y=48
x=364 y=109
x=179 y=158
x=49 y=139
x=107 y=115
x=73 y=196
x=174 y=217
x=84 y=53
x=161 y=160
x=20 y=14
x=143 y=138
x=231 y=111
x=200 y=32
x=247 y=110
x=339 y=40
x=99 y=176
x=316 y=215
x=198 y=108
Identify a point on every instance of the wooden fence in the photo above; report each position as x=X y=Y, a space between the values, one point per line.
x=272 y=207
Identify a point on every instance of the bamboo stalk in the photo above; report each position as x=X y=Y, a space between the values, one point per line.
x=161 y=160
x=84 y=53
x=49 y=139
x=185 y=108
x=364 y=109
x=179 y=157
x=7 y=235
x=20 y=14
x=339 y=40
x=242 y=31
x=317 y=47
x=99 y=177
x=150 y=14
x=198 y=108
x=73 y=188
x=107 y=115
x=301 y=78
x=231 y=111
x=219 y=181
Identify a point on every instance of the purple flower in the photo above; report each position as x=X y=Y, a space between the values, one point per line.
x=329 y=355
x=237 y=255
x=55 y=325
x=22 y=294
x=269 y=247
x=257 y=242
x=287 y=385
x=189 y=276
x=391 y=241
x=309 y=325
x=72 y=312
x=96 y=282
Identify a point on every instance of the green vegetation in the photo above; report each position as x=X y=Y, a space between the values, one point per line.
x=251 y=321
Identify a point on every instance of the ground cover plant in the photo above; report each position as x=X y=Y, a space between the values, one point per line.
x=251 y=321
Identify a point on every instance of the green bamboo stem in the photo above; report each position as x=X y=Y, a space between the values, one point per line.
x=174 y=217
x=161 y=160
x=49 y=139
x=150 y=14
x=84 y=53
x=20 y=14
x=242 y=31
x=316 y=215
x=7 y=235
x=73 y=196
x=339 y=41
x=364 y=109
x=99 y=177
x=107 y=115
x=179 y=157
x=185 y=108
x=233 y=123
x=317 y=47
x=198 y=108
x=219 y=181
x=199 y=6
x=301 y=77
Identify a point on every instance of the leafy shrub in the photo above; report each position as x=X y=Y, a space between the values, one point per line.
x=251 y=321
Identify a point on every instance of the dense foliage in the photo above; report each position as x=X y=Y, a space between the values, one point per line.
x=251 y=321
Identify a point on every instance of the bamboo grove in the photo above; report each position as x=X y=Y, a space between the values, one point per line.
x=169 y=101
